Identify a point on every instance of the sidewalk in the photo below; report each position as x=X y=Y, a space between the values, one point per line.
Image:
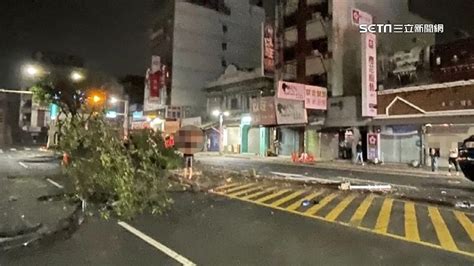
x=387 y=168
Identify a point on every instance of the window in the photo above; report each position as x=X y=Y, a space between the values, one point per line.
x=289 y=54
x=224 y=28
x=234 y=104
x=224 y=63
x=224 y=46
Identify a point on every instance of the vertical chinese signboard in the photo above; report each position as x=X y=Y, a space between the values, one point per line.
x=315 y=98
x=373 y=146
x=154 y=85
x=369 y=75
x=263 y=111
x=268 y=49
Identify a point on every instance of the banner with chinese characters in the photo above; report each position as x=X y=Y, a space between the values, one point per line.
x=373 y=146
x=290 y=112
x=268 y=48
x=369 y=74
x=262 y=111
x=155 y=64
x=315 y=97
x=155 y=84
x=291 y=91
x=360 y=17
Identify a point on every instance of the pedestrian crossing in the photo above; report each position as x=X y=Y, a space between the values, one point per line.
x=432 y=226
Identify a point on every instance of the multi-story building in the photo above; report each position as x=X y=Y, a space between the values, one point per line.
x=321 y=46
x=198 y=39
x=233 y=92
x=9 y=130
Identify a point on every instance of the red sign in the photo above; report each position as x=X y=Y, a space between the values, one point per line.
x=155 y=84
x=268 y=49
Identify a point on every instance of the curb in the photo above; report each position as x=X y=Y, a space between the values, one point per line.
x=65 y=225
x=341 y=167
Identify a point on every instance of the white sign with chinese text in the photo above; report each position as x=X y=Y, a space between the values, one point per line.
x=290 y=112
x=155 y=64
x=360 y=17
x=316 y=98
x=291 y=91
x=369 y=74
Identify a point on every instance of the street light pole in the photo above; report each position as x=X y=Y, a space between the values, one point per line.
x=125 y=119
x=221 y=133
x=221 y=127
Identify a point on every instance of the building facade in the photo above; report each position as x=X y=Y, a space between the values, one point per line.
x=233 y=92
x=321 y=46
x=199 y=39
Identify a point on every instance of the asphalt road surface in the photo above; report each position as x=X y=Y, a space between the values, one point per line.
x=263 y=224
x=216 y=230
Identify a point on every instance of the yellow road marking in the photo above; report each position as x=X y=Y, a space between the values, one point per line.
x=321 y=204
x=358 y=216
x=297 y=204
x=258 y=193
x=240 y=187
x=288 y=198
x=245 y=191
x=368 y=230
x=444 y=237
x=384 y=216
x=466 y=223
x=340 y=208
x=411 y=224
x=226 y=186
x=271 y=196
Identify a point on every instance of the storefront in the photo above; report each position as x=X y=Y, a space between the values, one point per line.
x=401 y=143
x=414 y=119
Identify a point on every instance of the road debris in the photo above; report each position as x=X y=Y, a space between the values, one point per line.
x=371 y=187
x=464 y=205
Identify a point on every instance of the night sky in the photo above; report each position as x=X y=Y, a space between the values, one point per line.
x=111 y=35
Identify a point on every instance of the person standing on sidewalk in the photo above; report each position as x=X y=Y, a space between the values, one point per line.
x=434 y=160
x=360 y=154
x=453 y=160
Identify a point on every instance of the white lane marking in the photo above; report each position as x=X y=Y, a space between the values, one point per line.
x=12 y=149
x=54 y=183
x=22 y=164
x=157 y=245
x=27 y=149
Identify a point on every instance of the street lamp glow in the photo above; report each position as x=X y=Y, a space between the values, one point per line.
x=31 y=70
x=113 y=100
x=226 y=113
x=96 y=98
x=76 y=76
x=216 y=113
